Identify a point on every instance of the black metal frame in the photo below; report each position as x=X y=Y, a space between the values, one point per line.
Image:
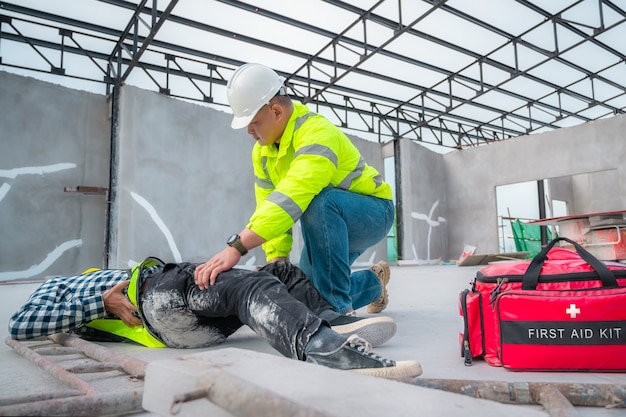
x=430 y=115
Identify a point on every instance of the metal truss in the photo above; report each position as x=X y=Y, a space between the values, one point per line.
x=435 y=113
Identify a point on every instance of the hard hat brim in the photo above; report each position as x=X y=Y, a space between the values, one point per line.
x=239 y=122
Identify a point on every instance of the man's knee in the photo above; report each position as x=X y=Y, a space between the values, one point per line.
x=285 y=271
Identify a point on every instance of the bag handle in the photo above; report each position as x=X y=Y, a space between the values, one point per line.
x=531 y=277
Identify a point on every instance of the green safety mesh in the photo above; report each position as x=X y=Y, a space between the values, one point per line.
x=528 y=237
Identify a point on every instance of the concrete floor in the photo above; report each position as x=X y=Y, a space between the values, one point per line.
x=423 y=301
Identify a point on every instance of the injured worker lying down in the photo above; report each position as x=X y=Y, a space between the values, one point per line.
x=159 y=305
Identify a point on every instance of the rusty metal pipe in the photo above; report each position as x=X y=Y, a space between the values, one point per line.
x=29 y=398
x=95 y=367
x=53 y=369
x=93 y=402
x=113 y=403
x=242 y=398
x=587 y=395
x=130 y=365
x=56 y=350
x=555 y=402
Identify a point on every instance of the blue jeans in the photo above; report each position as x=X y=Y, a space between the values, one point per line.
x=337 y=227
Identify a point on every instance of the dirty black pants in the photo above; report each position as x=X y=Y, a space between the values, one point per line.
x=278 y=303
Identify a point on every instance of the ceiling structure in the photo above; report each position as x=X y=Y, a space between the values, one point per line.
x=449 y=74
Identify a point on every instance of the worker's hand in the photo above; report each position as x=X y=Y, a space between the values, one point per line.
x=115 y=302
x=206 y=274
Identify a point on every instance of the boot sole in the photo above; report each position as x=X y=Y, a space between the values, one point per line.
x=377 y=307
x=376 y=330
x=403 y=370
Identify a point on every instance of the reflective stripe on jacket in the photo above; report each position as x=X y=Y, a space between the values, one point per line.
x=313 y=154
x=139 y=334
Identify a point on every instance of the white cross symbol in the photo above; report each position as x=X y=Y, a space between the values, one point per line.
x=572 y=310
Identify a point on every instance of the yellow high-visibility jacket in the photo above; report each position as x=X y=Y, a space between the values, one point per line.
x=313 y=154
x=139 y=334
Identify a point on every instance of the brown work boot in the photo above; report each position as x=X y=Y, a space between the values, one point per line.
x=381 y=269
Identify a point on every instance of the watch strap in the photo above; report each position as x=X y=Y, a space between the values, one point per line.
x=236 y=243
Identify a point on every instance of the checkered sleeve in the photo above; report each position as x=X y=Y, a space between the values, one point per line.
x=63 y=304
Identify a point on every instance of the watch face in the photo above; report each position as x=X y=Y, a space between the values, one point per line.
x=235 y=242
x=232 y=239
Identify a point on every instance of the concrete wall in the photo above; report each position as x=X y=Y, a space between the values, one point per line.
x=50 y=138
x=592 y=153
x=424 y=205
x=185 y=181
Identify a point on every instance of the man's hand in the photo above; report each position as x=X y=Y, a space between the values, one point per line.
x=206 y=274
x=115 y=302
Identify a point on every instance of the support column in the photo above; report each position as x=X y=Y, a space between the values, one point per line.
x=397 y=157
x=110 y=245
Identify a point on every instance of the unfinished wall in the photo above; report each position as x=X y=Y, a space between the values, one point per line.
x=561 y=189
x=51 y=137
x=424 y=205
x=472 y=175
x=186 y=181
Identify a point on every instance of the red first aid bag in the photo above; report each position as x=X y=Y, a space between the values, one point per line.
x=564 y=310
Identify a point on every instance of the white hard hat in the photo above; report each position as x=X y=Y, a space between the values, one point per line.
x=250 y=88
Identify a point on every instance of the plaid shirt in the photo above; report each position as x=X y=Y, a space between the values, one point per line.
x=63 y=304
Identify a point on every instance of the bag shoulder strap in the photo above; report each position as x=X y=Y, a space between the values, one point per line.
x=531 y=276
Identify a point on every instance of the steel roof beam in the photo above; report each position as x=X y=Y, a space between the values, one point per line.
x=134 y=21
x=229 y=34
x=94 y=55
x=370 y=48
x=484 y=87
x=480 y=58
x=408 y=114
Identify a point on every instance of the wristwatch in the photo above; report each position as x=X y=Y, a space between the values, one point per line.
x=235 y=242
